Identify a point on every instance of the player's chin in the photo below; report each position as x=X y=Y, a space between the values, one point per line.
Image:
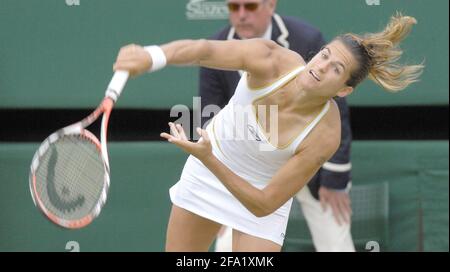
x=310 y=84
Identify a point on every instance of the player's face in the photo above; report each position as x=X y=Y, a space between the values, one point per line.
x=327 y=73
x=251 y=18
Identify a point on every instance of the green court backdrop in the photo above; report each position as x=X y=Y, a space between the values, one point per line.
x=136 y=212
x=55 y=55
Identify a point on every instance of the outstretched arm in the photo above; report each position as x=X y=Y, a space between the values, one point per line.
x=256 y=56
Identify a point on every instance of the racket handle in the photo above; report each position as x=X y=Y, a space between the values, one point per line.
x=116 y=84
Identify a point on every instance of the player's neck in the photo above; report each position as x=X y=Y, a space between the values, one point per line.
x=305 y=101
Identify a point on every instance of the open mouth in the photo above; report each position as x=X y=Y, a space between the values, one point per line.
x=314 y=75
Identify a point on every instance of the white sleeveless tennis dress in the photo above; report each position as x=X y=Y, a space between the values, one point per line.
x=242 y=148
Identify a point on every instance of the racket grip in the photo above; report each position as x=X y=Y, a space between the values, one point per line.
x=116 y=84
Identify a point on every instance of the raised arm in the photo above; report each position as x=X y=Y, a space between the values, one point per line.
x=257 y=56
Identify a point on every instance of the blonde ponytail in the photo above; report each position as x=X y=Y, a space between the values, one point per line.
x=378 y=54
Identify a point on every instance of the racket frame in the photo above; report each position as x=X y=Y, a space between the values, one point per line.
x=113 y=91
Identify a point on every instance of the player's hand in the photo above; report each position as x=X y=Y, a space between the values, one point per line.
x=339 y=202
x=134 y=59
x=202 y=149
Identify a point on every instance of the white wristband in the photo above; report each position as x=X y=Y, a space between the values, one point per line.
x=159 y=59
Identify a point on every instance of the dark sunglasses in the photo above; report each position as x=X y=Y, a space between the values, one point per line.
x=233 y=7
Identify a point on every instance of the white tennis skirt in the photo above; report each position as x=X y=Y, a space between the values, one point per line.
x=200 y=191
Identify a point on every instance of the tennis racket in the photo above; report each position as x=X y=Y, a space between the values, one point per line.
x=69 y=176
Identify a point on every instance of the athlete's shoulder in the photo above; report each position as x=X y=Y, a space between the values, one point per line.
x=288 y=59
x=332 y=124
x=327 y=133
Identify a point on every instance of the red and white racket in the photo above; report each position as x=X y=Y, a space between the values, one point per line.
x=69 y=177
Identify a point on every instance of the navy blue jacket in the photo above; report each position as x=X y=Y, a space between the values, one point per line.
x=217 y=87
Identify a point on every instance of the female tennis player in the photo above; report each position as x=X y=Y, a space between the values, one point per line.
x=231 y=177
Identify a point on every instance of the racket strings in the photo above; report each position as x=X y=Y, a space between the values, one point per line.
x=71 y=177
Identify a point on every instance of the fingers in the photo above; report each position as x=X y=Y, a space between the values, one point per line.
x=167 y=136
x=203 y=133
x=185 y=145
x=347 y=206
x=341 y=208
x=323 y=203
x=199 y=131
x=124 y=58
x=345 y=209
x=339 y=202
x=174 y=130
x=343 y=214
x=132 y=58
x=127 y=52
x=178 y=131
x=181 y=132
x=336 y=212
x=125 y=65
x=177 y=136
